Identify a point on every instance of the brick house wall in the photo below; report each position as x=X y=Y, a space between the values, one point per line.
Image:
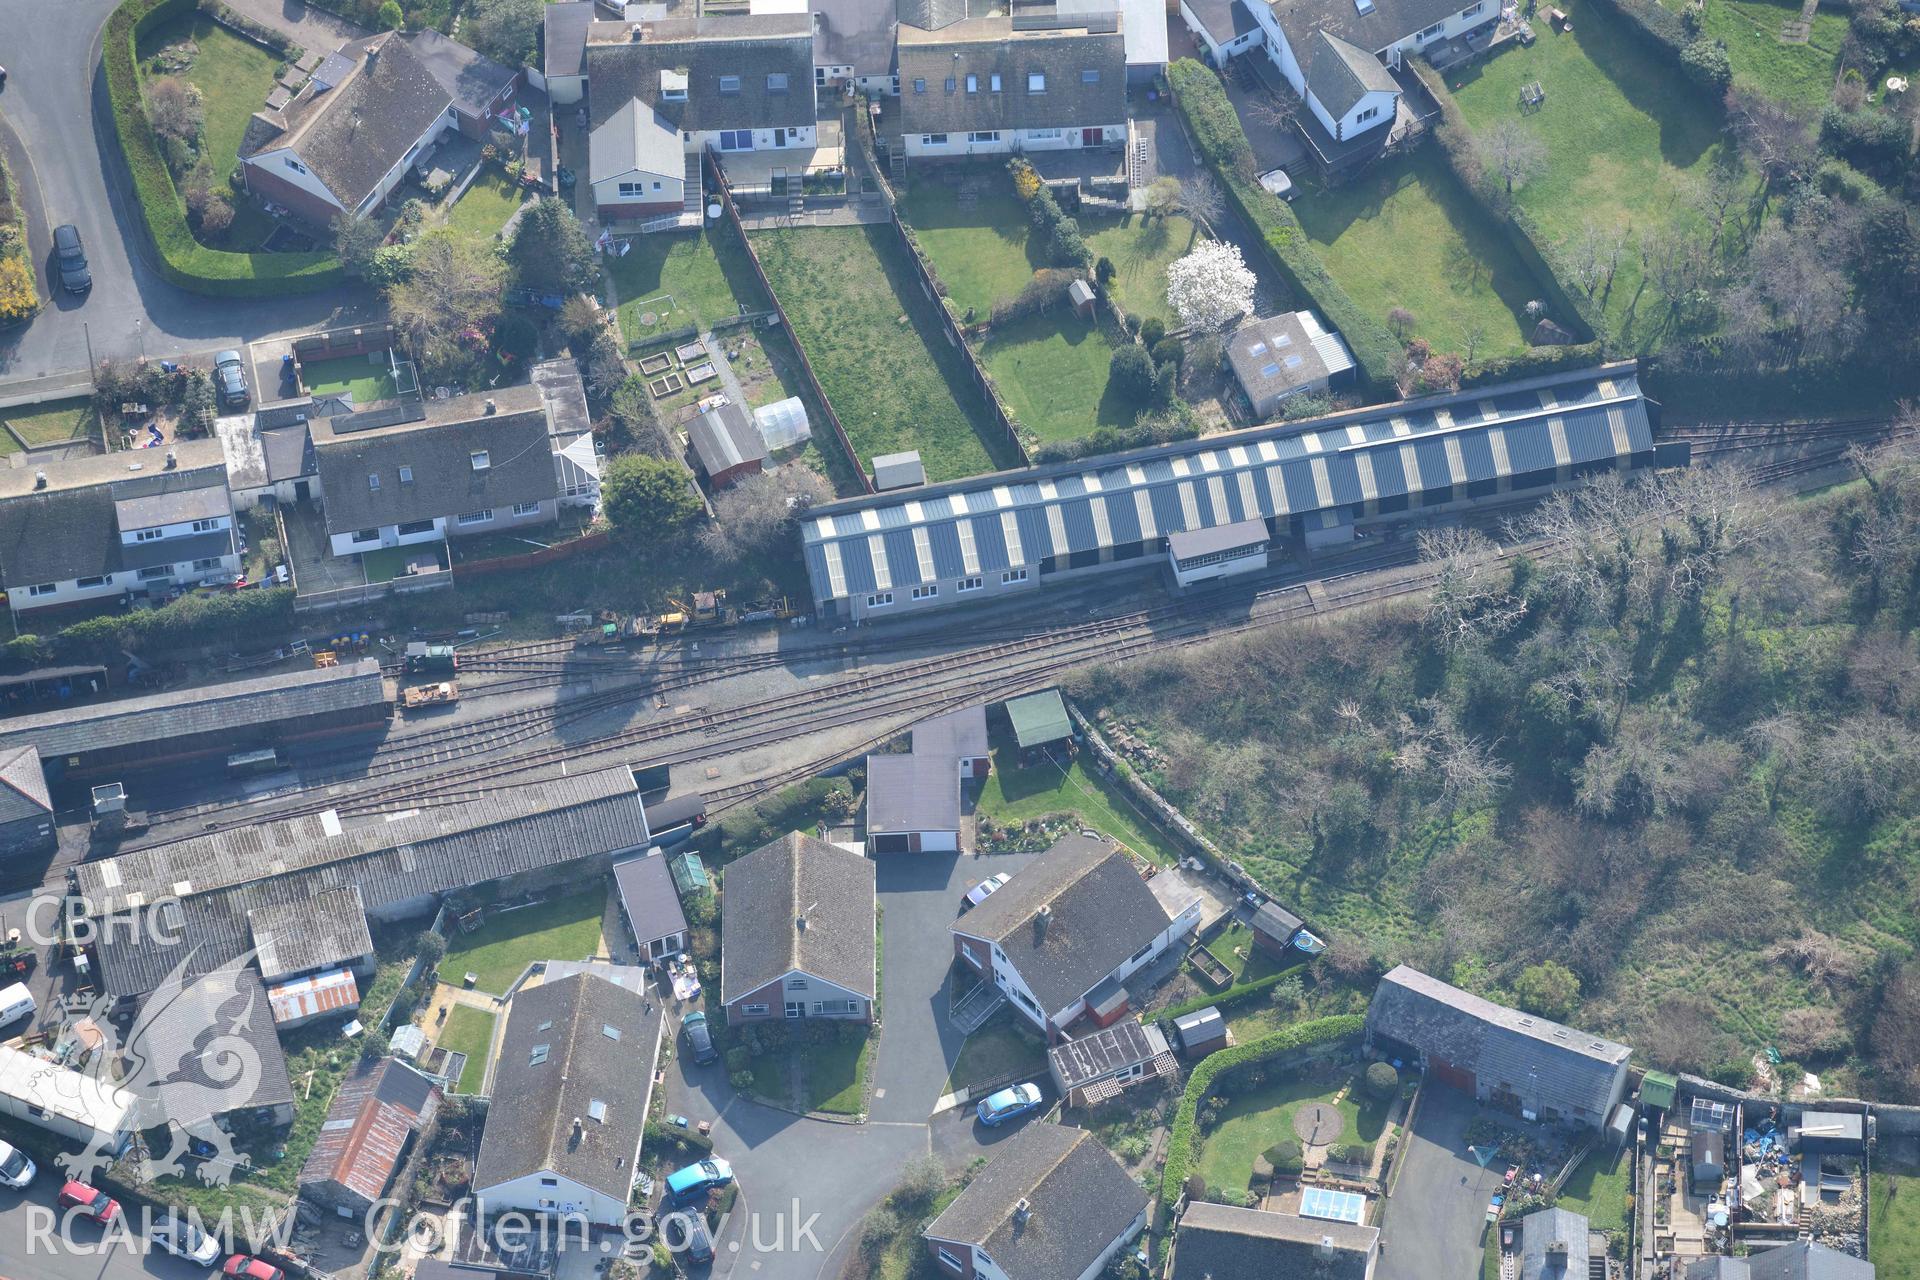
x=269 y=185
x=774 y=996
x=635 y=210
x=964 y=1252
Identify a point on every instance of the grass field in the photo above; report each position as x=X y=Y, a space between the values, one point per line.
x=1052 y=369
x=703 y=276
x=1001 y=1048
x=1895 y=1243
x=357 y=376
x=484 y=207
x=877 y=348
x=234 y=76
x=1404 y=234
x=1140 y=249
x=837 y=1074
x=1598 y=1189
x=500 y=949
x=469 y=1031
x=53 y=421
x=1258 y=1119
x=1800 y=74
x=1626 y=142
x=1014 y=794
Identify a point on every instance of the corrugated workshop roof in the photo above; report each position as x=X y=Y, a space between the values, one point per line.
x=299 y=937
x=724 y=437
x=373 y=1112
x=179 y=713
x=1012 y=519
x=913 y=793
x=301 y=999
x=648 y=897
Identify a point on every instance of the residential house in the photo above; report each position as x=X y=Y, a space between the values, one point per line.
x=724 y=445
x=1335 y=54
x=1554 y=1245
x=268 y=459
x=563 y=46
x=913 y=804
x=83 y=530
x=665 y=91
x=26 y=809
x=1061 y=937
x=370 y=1125
x=1518 y=1062
x=1100 y=1064
x=960 y=736
x=1034 y=82
x=371 y=110
x=798 y=933
x=1051 y=1204
x=425 y=472
x=1216 y=1241
x=1797 y=1261
x=651 y=904
x=570 y=1092
x=853 y=42
x=576 y=450
x=1279 y=356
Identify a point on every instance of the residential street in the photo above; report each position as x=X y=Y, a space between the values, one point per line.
x=22 y=1256
x=55 y=102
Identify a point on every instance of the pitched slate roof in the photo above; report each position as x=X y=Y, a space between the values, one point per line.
x=1340 y=73
x=374 y=1111
x=1798 y=1261
x=1386 y=22
x=1081 y=1201
x=705 y=48
x=962 y=734
x=634 y=139
x=1224 y=20
x=470 y=79
x=579 y=1048
x=1545 y=1228
x=207 y=885
x=352 y=134
x=438 y=449
x=69 y=529
x=1225 y=1242
x=724 y=437
x=176 y=506
x=854 y=33
x=1020 y=518
x=564 y=43
x=188 y=1030
x=298 y=937
x=912 y=793
x=985 y=47
x=1567 y=1069
x=1102 y=912
x=764 y=895
x=23 y=785
x=648 y=897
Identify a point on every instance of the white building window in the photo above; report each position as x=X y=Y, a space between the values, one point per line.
x=947 y=1258
x=777 y=82
x=1472 y=9
x=367 y=535
x=880 y=599
x=1090 y=76
x=983 y=135
x=157 y=571
x=147 y=535
x=952 y=84
x=1013 y=575
x=969 y=584
x=736 y=139
x=480 y=460
x=729 y=84
x=208 y=565
x=754 y=1009
x=1368 y=114
x=933 y=140
x=88 y=583
x=993 y=82
x=926 y=591
x=205 y=526
x=44 y=589
x=373 y=481
x=475 y=517
x=1431 y=31
x=919 y=85
x=526 y=508
x=973 y=84
x=406 y=475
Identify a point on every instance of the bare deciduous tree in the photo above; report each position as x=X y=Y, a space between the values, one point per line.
x=756 y=516
x=1864 y=766
x=174 y=108
x=1201 y=197
x=1772 y=134
x=1470 y=601
x=1513 y=153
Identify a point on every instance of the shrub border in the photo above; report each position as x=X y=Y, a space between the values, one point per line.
x=1232 y=995
x=1180 y=1140
x=181 y=259
x=1221 y=142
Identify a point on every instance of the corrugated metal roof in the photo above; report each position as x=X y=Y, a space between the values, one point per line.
x=1015 y=519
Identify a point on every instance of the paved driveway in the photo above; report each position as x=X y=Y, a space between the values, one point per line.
x=31 y=1244
x=1435 y=1224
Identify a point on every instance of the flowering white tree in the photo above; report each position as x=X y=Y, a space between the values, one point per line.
x=1210 y=287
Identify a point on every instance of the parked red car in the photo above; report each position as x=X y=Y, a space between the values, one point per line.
x=245 y=1268
x=98 y=1205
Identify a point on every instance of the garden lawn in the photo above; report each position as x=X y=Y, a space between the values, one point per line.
x=234 y=76
x=484 y=207
x=469 y=1031
x=1140 y=249
x=682 y=278
x=357 y=376
x=1255 y=1121
x=1251 y=967
x=500 y=949
x=53 y=421
x=837 y=1074
x=1014 y=793
x=1626 y=140
x=1404 y=234
x=1001 y=1048
x=981 y=254
x=878 y=350
x=1895 y=1243
x=1598 y=1189
x=1800 y=74
x=1052 y=369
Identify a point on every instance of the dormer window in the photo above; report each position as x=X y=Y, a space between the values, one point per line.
x=730 y=84
x=479 y=459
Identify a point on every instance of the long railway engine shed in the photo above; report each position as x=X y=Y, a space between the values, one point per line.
x=1228 y=503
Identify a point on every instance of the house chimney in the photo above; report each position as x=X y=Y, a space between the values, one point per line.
x=489 y=407
x=578 y=1129
x=638 y=33
x=172 y=461
x=1041 y=919
x=39 y=479
x=373 y=55
x=1022 y=1210
x=1325 y=1249
x=800 y=923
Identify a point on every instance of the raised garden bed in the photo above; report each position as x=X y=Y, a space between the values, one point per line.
x=656 y=364
x=665 y=385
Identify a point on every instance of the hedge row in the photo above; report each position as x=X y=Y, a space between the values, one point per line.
x=1233 y=995
x=1180 y=1144
x=1662 y=31
x=1222 y=142
x=1568 y=303
x=183 y=260
x=1533 y=362
x=194 y=621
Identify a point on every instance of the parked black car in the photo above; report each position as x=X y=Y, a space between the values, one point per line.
x=72 y=259
x=699 y=1038
x=230 y=380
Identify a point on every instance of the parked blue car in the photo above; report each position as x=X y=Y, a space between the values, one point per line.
x=1008 y=1104
x=698 y=1179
